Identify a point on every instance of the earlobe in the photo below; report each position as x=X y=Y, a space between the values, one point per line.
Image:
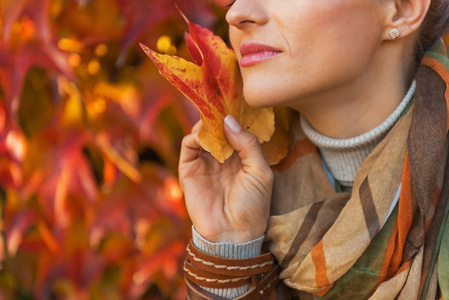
x=406 y=17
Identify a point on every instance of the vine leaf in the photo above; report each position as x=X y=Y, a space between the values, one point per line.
x=213 y=83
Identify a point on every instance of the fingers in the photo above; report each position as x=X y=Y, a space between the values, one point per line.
x=245 y=144
x=198 y=126
x=190 y=148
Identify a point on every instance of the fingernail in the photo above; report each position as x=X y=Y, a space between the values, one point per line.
x=232 y=123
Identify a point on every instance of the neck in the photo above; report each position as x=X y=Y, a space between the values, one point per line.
x=344 y=157
x=359 y=105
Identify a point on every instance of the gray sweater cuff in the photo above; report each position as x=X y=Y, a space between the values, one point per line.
x=228 y=250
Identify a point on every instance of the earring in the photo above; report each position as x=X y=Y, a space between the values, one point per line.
x=394 y=33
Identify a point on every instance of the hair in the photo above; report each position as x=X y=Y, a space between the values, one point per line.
x=434 y=26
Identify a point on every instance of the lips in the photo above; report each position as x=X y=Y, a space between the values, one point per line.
x=253 y=53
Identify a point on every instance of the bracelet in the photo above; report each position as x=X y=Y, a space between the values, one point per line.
x=205 y=270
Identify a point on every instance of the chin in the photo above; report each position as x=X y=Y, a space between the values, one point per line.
x=266 y=97
x=259 y=98
x=257 y=101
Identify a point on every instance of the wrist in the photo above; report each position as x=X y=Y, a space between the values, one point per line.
x=235 y=237
x=227 y=249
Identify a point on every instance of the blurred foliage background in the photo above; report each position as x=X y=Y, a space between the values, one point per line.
x=89 y=143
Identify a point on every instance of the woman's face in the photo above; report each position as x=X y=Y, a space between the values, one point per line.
x=292 y=52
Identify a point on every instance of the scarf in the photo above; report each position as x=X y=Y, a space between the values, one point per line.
x=389 y=238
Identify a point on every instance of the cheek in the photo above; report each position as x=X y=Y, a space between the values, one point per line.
x=329 y=25
x=339 y=37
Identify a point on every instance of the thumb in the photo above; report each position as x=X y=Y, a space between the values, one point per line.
x=246 y=144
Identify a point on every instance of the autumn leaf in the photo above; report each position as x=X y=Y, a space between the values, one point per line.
x=214 y=85
x=28 y=44
x=90 y=204
x=13 y=146
x=279 y=145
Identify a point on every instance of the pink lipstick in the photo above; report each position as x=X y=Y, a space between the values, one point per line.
x=253 y=53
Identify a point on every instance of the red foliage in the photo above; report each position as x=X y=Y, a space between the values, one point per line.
x=89 y=140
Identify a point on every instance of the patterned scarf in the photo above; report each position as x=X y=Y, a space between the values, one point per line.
x=388 y=239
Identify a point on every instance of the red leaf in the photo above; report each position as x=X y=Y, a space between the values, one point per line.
x=16 y=230
x=142 y=15
x=13 y=145
x=36 y=47
x=215 y=88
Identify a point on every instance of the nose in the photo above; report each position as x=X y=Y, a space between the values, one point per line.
x=246 y=12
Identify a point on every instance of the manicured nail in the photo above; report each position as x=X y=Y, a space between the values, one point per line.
x=232 y=123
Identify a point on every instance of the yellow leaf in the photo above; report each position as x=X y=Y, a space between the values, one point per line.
x=214 y=85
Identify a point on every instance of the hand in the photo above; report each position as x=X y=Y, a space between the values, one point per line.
x=227 y=202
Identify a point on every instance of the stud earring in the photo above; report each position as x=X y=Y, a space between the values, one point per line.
x=394 y=33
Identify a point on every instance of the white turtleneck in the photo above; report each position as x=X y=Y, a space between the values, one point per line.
x=344 y=157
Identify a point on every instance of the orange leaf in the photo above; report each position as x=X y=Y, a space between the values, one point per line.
x=279 y=145
x=124 y=165
x=213 y=84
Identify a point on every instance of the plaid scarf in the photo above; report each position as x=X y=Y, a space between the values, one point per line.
x=388 y=239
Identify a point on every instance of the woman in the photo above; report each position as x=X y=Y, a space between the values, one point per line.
x=358 y=209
